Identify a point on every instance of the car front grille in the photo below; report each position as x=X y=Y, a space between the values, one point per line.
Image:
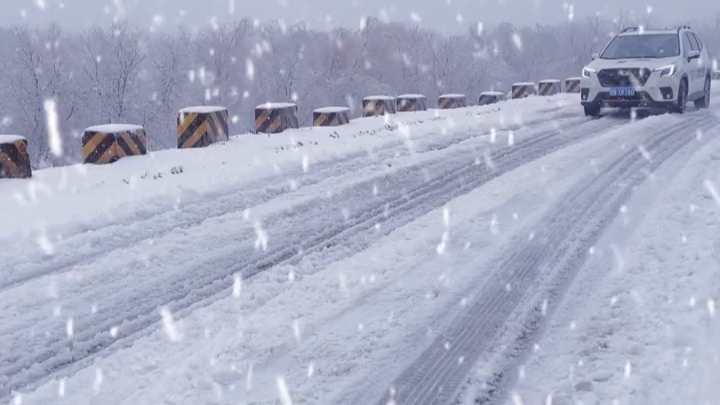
x=623 y=77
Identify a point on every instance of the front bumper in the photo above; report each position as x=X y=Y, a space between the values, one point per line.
x=641 y=99
x=660 y=92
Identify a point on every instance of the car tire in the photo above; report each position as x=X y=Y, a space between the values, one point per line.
x=592 y=110
x=704 y=101
x=679 y=107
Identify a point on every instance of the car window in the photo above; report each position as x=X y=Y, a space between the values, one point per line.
x=687 y=46
x=693 y=43
x=697 y=39
x=642 y=46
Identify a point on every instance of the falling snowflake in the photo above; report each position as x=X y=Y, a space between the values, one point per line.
x=169 y=326
x=713 y=192
x=61 y=388
x=53 y=132
x=517 y=41
x=494 y=227
x=249 y=69
x=237 y=285
x=296 y=330
x=97 y=384
x=283 y=391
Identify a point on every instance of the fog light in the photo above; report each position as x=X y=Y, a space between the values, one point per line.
x=667 y=92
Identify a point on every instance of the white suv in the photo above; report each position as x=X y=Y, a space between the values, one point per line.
x=648 y=69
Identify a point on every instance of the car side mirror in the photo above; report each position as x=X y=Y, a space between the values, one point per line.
x=595 y=56
x=693 y=54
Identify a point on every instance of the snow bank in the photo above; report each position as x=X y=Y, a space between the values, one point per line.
x=452 y=95
x=492 y=93
x=113 y=128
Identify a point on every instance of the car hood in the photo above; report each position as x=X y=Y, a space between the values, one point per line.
x=650 y=63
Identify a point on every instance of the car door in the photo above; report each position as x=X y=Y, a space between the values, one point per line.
x=704 y=62
x=693 y=66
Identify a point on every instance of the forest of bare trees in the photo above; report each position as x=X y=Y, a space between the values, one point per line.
x=122 y=74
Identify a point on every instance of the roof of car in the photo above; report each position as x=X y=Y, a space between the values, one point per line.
x=649 y=32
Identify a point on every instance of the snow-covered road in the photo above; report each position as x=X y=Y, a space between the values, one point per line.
x=418 y=271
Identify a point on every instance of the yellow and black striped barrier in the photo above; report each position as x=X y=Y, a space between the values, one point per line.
x=411 y=102
x=572 y=85
x=105 y=144
x=273 y=118
x=14 y=157
x=201 y=126
x=522 y=90
x=490 y=97
x=378 y=105
x=331 y=116
x=549 y=87
x=449 y=101
x=716 y=75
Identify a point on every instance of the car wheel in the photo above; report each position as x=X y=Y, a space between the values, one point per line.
x=592 y=110
x=704 y=102
x=682 y=98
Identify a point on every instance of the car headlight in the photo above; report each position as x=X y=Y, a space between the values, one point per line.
x=587 y=71
x=668 y=70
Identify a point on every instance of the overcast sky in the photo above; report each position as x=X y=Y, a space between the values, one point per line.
x=445 y=15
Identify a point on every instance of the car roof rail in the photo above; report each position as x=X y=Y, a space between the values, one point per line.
x=629 y=29
x=683 y=27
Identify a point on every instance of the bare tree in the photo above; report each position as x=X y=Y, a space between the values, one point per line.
x=113 y=59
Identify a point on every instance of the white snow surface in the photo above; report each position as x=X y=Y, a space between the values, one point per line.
x=113 y=128
x=523 y=84
x=87 y=247
x=276 y=105
x=411 y=96
x=640 y=325
x=11 y=138
x=452 y=95
x=328 y=110
x=550 y=81
x=574 y=78
x=379 y=98
x=492 y=93
x=201 y=109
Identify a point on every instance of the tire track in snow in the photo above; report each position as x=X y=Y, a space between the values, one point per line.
x=200 y=282
x=124 y=233
x=568 y=231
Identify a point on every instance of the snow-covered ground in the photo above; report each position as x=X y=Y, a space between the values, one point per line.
x=640 y=325
x=326 y=266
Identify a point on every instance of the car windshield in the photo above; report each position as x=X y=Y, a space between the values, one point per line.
x=643 y=46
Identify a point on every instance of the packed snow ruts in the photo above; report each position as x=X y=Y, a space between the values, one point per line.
x=186 y=293
x=223 y=202
x=436 y=375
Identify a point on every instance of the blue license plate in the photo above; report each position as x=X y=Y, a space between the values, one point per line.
x=622 y=91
